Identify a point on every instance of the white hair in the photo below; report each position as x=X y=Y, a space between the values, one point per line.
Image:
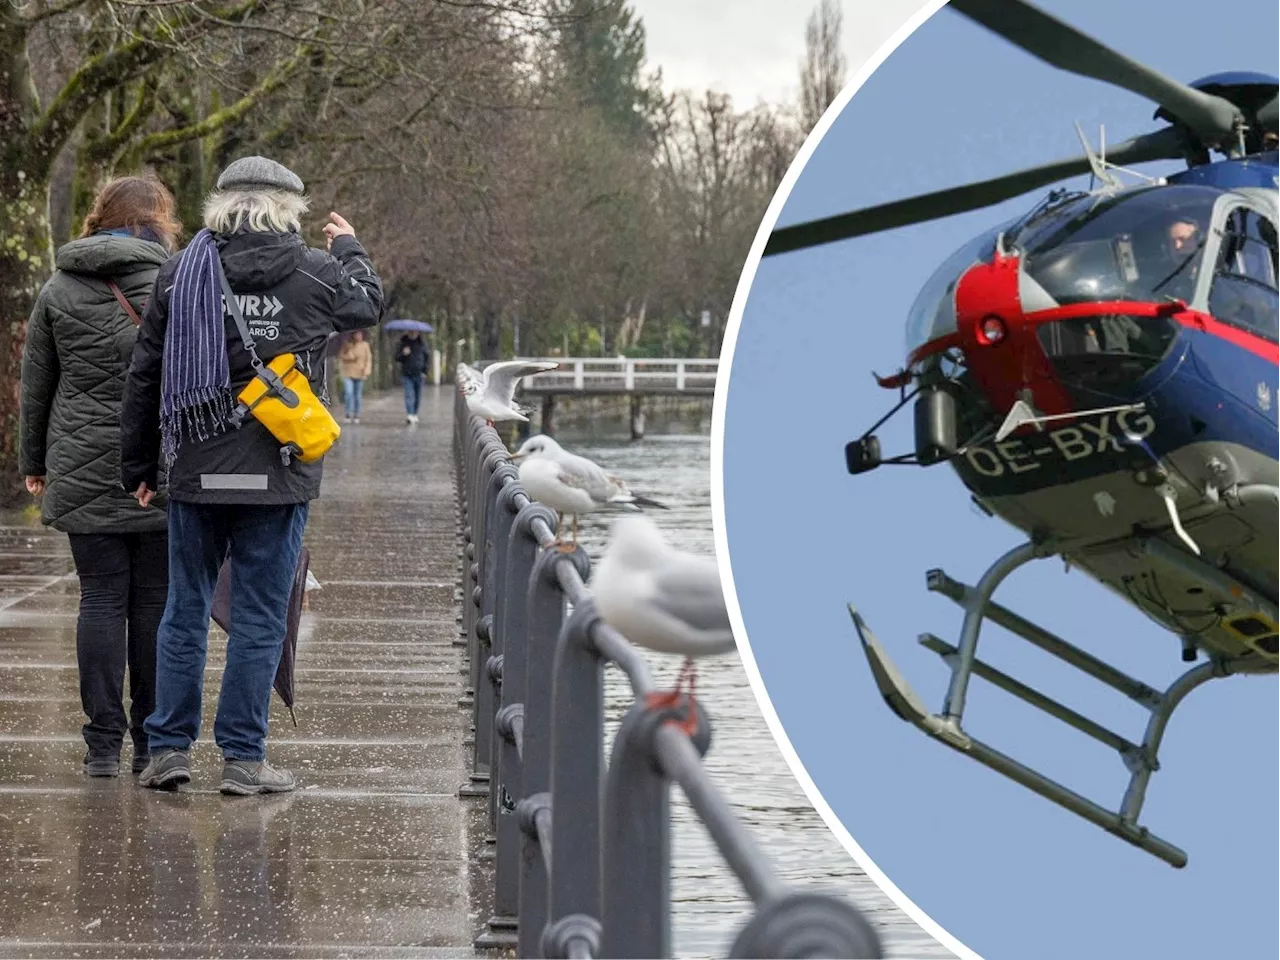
x=261 y=211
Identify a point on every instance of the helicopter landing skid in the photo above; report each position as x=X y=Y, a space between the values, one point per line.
x=1139 y=759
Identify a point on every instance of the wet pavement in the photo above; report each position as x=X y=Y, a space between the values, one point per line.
x=371 y=857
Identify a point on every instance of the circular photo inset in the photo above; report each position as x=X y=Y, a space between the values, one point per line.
x=997 y=467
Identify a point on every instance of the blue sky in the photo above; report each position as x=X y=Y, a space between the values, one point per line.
x=1008 y=873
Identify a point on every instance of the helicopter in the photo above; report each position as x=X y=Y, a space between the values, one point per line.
x=1100 y=373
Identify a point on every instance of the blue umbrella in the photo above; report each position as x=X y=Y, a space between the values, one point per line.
x=418 y=325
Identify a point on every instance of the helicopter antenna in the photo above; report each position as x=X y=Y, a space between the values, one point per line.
x=1101 y=169
x=1098 y=163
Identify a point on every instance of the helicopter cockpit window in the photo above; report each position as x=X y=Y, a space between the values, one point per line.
x=1249 y=247
x=1141 y=245
x=1244 y=282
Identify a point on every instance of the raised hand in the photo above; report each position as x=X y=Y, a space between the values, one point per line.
x=336 y=227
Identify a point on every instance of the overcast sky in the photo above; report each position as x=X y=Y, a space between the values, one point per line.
x=751 y=49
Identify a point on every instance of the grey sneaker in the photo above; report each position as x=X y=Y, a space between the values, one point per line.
x=246 y=777
x=167 y=770
x=102 y=766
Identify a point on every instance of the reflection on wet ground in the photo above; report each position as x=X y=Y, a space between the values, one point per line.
x=370 y=856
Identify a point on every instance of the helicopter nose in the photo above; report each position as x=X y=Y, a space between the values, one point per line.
x=1001 y=349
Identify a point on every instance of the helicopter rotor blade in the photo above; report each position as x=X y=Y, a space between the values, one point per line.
x=1164 y=144
x=1267 y=115
x=1213 y=119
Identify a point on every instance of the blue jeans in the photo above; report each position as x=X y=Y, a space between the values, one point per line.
x=264 y=542
x=412 y=394
x=352 y=394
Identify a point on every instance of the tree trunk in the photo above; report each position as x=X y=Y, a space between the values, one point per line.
x=490 y=333
x=26 y=259
x=26 y=245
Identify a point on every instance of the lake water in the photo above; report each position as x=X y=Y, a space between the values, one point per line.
x=673 y=465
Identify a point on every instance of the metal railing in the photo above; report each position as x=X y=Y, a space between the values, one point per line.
x=596 y=375
x=582 y=854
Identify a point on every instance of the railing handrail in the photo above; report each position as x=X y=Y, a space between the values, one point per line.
x=582 y=856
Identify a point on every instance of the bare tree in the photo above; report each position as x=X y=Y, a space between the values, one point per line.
x=183 y=86
x=822 y=73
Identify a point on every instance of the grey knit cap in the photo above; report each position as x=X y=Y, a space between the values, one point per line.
x=250 y=172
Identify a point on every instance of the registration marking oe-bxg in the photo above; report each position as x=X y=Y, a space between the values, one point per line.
x=1022 y=455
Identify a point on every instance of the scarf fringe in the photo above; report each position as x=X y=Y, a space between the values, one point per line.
x=194 y=417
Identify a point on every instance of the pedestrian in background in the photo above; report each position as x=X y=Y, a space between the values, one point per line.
x=232 y=493
x=355 y=364
x=79 y=340
x=412 y=357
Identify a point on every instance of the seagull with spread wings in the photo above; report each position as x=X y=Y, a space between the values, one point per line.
x=490 y=393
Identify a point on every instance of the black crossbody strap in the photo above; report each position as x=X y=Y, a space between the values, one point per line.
x=274 y=383
x=234 y=308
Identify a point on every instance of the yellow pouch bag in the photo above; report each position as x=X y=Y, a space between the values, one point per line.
x=286 y=405
x=280 y=397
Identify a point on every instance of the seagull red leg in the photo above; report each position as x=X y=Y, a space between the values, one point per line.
x=570 y=547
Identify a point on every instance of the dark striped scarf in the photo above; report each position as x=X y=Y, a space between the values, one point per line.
x=195 y=389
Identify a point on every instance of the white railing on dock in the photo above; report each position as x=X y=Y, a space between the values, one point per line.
x=625 y=375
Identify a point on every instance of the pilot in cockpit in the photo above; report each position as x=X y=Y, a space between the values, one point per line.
x=1165 y=264
x=1182 y=238
x=1182 y=245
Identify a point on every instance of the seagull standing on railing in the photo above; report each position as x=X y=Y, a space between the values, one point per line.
x=490 y=393
x=660 y=597
x=570 y=484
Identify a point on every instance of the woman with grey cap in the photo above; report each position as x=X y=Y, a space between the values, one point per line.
x=231 y=492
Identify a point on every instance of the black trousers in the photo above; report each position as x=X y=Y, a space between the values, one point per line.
x=124 y=582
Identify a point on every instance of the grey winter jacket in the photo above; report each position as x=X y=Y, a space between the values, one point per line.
x=79 y=341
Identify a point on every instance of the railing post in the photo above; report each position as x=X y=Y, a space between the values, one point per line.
x=508 y=573
x=546 y=608
x=577 y=744
x=629 y=375
x=511 y=629
x=679 y=374
x=477 y=604
x=471 y=569
x=461 y=454
x=495 y=528
x=578 y=376
x=637 y=837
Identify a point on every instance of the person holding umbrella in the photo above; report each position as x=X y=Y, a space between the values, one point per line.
x=411 y=354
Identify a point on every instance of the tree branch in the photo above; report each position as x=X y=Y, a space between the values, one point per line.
x=103 y=148
x=57 y=10
x=109 y=70
x=277 y=77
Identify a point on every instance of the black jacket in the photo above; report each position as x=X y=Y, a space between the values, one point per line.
x=293 y=297
x=79 y=341
x=414 y=364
